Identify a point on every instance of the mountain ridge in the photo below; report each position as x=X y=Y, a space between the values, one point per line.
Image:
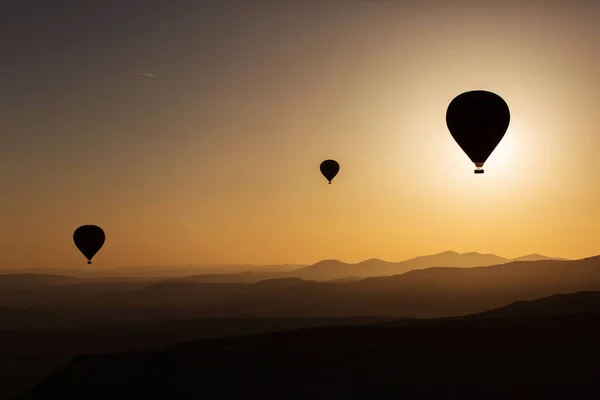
x=426 y=293
x=336 y=269
x=459 y=357
x=324 y=270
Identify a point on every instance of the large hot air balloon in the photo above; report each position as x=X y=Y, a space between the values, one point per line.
x=478 y=121
x=329 y=169
x=89 y=239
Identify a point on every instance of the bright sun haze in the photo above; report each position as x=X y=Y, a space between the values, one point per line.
x=213 y=155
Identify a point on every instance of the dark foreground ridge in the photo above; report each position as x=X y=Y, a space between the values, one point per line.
x=496 y=357
x=30 y=355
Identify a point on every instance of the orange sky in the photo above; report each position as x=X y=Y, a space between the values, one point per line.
x=216 y=159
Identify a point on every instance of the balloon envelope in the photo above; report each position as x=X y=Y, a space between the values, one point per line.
x=329 y=169
x=89 y=239
x=478 y=121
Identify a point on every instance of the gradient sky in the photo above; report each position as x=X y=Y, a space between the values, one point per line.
x=216 y=159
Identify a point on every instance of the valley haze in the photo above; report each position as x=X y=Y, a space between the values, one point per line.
x=322 y=270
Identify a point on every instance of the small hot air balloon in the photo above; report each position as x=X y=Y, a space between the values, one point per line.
x=329 y=169
x=478 y=121
x=89 y=239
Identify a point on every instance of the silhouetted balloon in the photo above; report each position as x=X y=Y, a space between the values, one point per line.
x=478 y=121
x=329 y=169
x=89 y=239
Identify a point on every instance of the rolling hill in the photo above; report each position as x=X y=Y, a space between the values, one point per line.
x=29 y=355
x=558 y=304
x=325 y=270
x=535 y=356
x=335 y=269
x=427 y=293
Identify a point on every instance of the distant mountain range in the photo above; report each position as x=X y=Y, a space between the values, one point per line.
x=321 y=271
x=543 y=350
x=427 y=293
x=34 y=301
x=335 y=269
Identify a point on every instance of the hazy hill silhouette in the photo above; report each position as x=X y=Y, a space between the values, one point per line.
x=537 y=257
x=427 y=293
x=335 y=269
x=518 y=357
x=559 y=304
x=329 y=270
x=325 y=270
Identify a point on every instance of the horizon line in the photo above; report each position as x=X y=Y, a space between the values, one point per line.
x=302 y=264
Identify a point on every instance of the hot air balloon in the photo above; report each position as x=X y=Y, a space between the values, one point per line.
x=89 y=239
x=329 y=169
x=478 y=121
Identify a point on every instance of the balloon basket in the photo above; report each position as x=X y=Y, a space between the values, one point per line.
x=89 y=262
x=478 y=171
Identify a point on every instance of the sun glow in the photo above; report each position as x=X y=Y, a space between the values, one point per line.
x=507 y=156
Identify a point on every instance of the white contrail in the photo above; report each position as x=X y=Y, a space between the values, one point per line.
x=150 y=75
